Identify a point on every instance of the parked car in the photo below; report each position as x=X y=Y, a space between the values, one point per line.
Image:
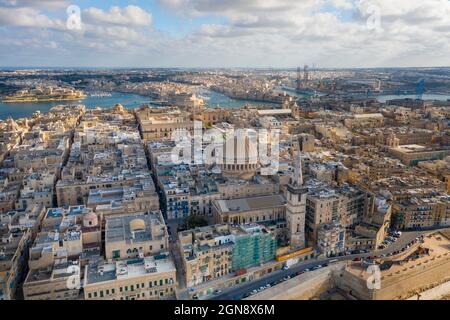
x=333 y=261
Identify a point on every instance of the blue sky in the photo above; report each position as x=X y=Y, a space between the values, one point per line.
x=163 y=18
x=226 y=33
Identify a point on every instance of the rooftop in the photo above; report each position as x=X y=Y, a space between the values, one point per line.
x=135 y=227
x=126 y=269
x=250 y=203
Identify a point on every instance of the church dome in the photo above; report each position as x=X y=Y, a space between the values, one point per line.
x=240 y=155
x=118 y=108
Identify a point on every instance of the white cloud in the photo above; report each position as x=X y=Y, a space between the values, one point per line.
x=282 y=33
x=129 y=16
x=44 y=4
x=27 y=17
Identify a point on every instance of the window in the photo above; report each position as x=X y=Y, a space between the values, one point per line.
x=116 y=254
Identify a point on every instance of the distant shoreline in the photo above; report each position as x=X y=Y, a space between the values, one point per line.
x=42 y=99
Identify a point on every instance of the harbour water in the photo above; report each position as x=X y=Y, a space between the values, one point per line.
x=20 y=110
x=215 y=99
x=441 y=97
x=128 y=100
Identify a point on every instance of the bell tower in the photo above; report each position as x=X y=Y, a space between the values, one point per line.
x=296 y=205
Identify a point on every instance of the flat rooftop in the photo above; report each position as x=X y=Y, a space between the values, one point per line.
x=368 y=115
x=251 y=203
x=126 y=269
x=409 y=148
x=272 y=112
x=120 y=229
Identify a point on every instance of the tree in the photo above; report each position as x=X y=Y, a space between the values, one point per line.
x=195 y=221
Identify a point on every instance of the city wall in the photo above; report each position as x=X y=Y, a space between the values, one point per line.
x=304 y=287
x=399 y=285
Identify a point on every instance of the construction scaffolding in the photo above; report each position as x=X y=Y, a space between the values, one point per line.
x=253 y=249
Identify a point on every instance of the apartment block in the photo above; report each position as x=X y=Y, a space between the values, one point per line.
x=149 y=278
x=135 y=235
x=214 y=251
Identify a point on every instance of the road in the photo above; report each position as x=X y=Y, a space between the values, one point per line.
x=237 y=292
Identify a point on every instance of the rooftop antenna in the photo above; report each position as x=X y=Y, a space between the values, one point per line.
x=299 y=78
x=420 y=88
x=298 y=174
x=306 y=74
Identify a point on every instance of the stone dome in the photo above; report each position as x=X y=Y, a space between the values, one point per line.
x=137 y=224
x=240 y=155
x=90 y=219
x=118 y=108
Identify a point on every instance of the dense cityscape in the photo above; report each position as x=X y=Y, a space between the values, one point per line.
x=295 y=187
x=195 y=159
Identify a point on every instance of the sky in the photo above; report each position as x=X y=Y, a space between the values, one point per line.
x=224 y=33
